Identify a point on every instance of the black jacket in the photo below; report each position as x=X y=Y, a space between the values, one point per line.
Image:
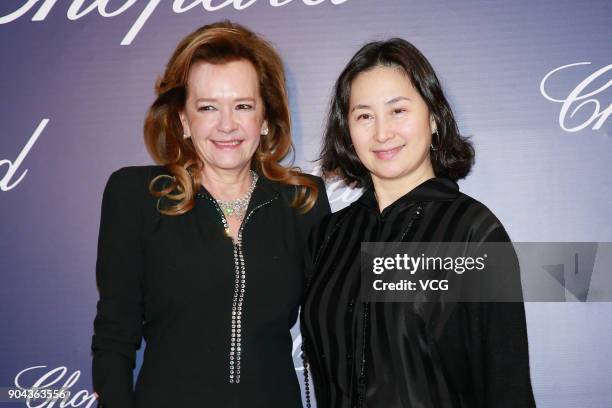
x=385 y=354
x=171 y=281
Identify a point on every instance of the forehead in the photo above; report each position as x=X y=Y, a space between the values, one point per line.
x=382 y=82
x=235 y=77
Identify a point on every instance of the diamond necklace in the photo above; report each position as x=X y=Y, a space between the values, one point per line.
x=237 y=208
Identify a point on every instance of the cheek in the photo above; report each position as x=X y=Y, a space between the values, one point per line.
x=362 y=149
x=201 y=125
x=251 y=127
x=360 y=138
x=416 y=132
x=425 y=126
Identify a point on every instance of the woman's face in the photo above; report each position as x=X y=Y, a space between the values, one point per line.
x=390 y=124
x=224 y=113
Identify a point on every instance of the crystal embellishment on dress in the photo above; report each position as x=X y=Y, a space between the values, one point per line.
x=235 y=347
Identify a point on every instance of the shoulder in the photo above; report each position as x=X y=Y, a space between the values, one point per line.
x=134 y=175
x=330 y=228
x=132 y=180
x=483 y=223
x=128 y=187
x=288 y=190
x=475 y=210
x=127 y=200
x=343 y=215
x=333 y=221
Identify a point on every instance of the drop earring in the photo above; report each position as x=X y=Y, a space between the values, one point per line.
x=435 y=136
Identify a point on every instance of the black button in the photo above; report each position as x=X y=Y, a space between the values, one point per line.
x=348 y=356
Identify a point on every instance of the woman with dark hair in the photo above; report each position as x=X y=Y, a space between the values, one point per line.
x=391 y=131
x=202 y=256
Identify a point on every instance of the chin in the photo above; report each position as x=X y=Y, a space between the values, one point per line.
x=391 y=173
x=229 y=164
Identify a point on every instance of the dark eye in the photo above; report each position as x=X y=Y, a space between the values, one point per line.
x=244 y=106
x=206 y=108
x=364 y=116
x=399 y=110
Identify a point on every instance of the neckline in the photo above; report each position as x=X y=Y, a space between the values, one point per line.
x=433 y=189
x=265 y=190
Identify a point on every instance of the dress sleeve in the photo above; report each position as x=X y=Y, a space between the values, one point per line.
x=119 y=318
x=320 y=209
x=500 y=355
x=311 y=221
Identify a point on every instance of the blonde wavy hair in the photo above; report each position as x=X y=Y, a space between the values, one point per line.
x=220 y=43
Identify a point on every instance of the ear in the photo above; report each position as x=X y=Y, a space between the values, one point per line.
x=185 y=123
x=264 y=128
x=432 y=124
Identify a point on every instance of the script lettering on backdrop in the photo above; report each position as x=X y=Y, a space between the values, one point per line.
x=296 y=352
x=77 y=9
x=338 y=192
x=6 y=182
x=340 y=195
x=54 y=380
x=576 y=96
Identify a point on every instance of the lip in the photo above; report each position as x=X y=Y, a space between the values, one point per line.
x=387 y=154
x=227 y=144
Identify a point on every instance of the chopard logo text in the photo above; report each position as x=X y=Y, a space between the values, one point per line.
x=78 y=9
x=579 y=98
x=54 y=379
x=6 y=181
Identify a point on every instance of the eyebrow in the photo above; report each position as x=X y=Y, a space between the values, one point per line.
x=397 y=99
x=360 y=106
x=389 y=102
x=241 y=99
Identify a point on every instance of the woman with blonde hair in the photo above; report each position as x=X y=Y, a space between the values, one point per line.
x=202 y=255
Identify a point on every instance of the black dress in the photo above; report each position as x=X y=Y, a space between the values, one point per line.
x=172 y=281
x=379 y=354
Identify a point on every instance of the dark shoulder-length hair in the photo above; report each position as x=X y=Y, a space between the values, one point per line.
x=452 y=155
x=220 y=43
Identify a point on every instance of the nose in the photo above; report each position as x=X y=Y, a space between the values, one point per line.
x=227 y=124
x=382 y=132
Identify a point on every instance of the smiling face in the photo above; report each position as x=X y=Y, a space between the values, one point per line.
x=224 y=114
x=390 y=125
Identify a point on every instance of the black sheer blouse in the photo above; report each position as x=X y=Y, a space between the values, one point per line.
x=385 y=354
